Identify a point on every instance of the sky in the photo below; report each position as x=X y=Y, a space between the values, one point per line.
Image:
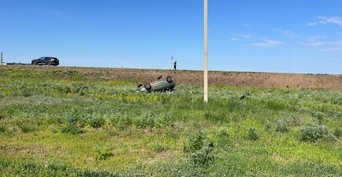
x=293 y=36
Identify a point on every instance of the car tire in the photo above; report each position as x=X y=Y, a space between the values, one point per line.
x=171 y=89
x=169 y=79
x=148 y=86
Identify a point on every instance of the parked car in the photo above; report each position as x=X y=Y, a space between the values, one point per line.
x=45 y=61
x=167 y=84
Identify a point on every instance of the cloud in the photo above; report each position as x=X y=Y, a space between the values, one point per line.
x=333 y=20
x=321 y=43
x=240 y=36
x=325 y=43
x=246 y=36
x=266 y=43
x=286 y=33
x=248 y=25
x=311 y=24
x=289 y=34
x=263 y=41
x=326 y=20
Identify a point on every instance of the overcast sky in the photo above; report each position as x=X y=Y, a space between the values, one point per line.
x=293 y=36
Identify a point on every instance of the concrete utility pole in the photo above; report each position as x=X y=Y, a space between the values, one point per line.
x=206 y=51
x=1 y=59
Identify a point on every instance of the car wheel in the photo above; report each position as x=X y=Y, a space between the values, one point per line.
x=171 y=89
x=148 y=86
x=169 y=79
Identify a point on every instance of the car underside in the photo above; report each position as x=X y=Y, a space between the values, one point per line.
x=167 y=84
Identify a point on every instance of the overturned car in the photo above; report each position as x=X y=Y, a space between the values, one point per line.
x=167 y=84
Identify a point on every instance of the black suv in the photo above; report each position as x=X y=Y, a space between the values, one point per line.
x=45 y=61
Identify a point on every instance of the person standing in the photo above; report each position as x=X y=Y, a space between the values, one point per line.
x=175 y=65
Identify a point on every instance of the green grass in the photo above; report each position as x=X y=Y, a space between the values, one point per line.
x=71 y=126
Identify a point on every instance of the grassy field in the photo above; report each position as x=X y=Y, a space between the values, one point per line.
x=61 y=122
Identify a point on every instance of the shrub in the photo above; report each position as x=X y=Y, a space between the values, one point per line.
x=96 y=122
x=72 y=129
x=223 y=133
x=102 y=152
x=200 y=148
x=26 y=127
x=338 y=132
x=157 y=147
x=2 y=129
x=282 y=125
x=268 y=126
x=25 y=92
x=145 y=120
x=72 y=120
x=204 y=156
x=121 y=121
x=318 y=115
x=252 y=134
x=312 y=132
x=195 y=142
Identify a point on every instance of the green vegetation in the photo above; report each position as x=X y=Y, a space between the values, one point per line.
x=60 y=123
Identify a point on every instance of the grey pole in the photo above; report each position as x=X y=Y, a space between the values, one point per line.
x=171 y=62
x=1 y=59
x=206 y=51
